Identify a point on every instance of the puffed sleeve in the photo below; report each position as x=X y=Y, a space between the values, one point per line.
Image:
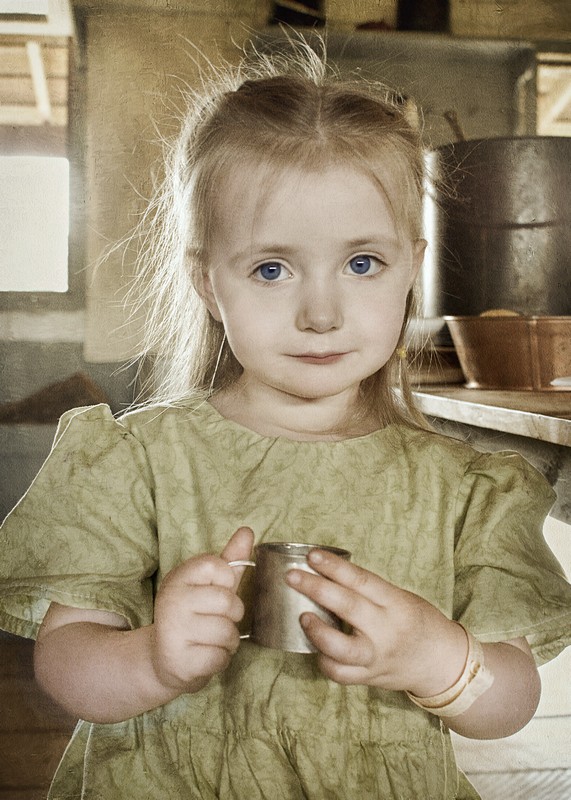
x=508 y=582
x=84 y=533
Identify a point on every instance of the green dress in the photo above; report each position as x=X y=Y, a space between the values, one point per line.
x=119 y=503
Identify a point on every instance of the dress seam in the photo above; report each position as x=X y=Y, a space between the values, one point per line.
x=285 y=731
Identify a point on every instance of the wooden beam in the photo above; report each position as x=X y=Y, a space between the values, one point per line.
x=39 y=82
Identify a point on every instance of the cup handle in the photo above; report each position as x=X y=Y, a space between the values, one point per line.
x=242 y=564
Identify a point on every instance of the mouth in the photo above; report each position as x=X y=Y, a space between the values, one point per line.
x=320 y=358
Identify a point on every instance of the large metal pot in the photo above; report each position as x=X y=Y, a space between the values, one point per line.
x=498 y=223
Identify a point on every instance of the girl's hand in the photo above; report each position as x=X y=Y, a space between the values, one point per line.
x=399 y=641
x=196 y=612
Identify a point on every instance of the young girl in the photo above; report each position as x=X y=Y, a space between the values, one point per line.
x=291 y=210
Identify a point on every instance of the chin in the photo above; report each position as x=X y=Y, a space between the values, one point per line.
x=316 y=393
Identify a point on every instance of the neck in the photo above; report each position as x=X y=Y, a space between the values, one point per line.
x=273 y=413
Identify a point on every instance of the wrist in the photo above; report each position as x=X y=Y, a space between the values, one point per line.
x=460 y=696
x=162 y=676
x=444 y=663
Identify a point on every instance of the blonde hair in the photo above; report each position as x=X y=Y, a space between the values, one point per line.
x=279 y=111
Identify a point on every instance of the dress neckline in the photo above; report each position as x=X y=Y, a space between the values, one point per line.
x=218 y=419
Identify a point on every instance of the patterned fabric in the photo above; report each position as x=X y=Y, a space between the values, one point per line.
x=119 y=503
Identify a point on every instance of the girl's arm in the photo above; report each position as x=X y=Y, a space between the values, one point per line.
x=401 y=642
x=97 y=669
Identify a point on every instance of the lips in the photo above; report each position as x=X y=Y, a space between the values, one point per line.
x=319 y=358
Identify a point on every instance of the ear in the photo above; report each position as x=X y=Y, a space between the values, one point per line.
x=203 y=286
x=418 y=249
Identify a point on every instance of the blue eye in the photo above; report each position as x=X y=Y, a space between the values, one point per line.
x=271 y=271
x=364 y=265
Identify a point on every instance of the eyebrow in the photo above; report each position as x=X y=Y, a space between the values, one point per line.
x=375 y=239
x=259 y=249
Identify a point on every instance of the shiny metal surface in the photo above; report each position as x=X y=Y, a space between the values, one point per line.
x=275 y=607
x=498 y=222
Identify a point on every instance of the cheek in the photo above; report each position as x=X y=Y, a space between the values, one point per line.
x=240 y=314
x=246 y=327
x=386 y=316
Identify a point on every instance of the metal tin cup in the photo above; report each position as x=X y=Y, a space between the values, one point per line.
x=275 y=607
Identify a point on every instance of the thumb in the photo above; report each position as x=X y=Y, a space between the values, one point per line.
x=239 y=548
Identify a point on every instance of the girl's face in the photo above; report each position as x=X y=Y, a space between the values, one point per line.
x=310 y=279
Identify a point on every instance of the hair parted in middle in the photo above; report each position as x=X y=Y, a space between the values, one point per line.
x=274 y=112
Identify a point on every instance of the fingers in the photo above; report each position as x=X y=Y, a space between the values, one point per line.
x=339 y=646
x=345 y=603
x=213 y=631
x=195 y=630
x=209 y=569
x=342 y=658
x=196 y=613
x=344 y=573
x=205 y=570
x=355 y=596
x=215 y=601
x=208 y=661
x=239 y=548
x=182 y=603
x=394 y=630
x=205 y=585
x=349 y=590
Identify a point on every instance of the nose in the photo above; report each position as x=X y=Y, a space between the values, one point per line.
x=319 y=309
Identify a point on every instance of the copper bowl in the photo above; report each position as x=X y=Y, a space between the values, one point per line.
x=514 y=352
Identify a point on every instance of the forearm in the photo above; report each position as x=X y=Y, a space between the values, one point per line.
x=94 y=667
x=100 y=673
x=511 y=700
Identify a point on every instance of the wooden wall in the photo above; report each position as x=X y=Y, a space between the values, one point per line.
x=33 y=730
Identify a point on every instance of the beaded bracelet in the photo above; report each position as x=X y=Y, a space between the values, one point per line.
x=472 y=683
